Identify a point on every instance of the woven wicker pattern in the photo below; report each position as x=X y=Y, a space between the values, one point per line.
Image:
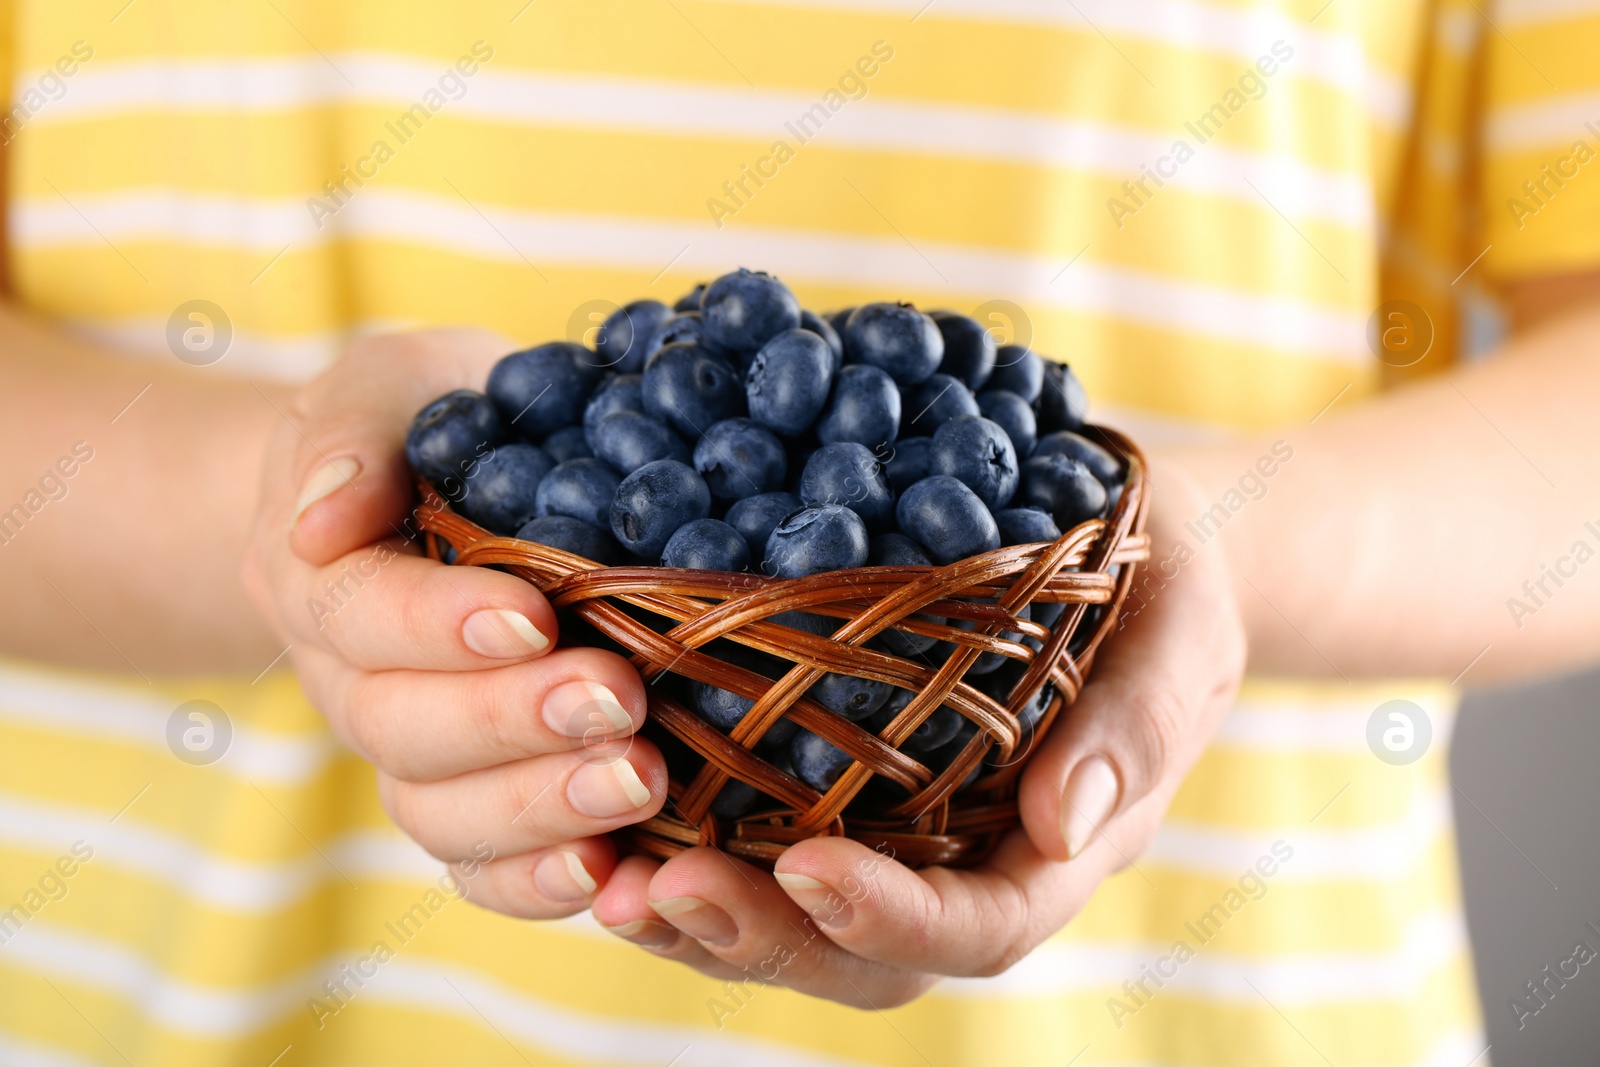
x=1093 y=563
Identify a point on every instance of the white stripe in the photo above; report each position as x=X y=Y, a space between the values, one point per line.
x=1552 y=122
x=15 y=1052
x=1275 y=323
x=873 y=124
x=61 y=704
x=1292 y=727
x=1522 y=13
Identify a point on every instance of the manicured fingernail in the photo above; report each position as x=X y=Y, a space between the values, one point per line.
x=698 y=919
x=829 y=908
x=603 y=790
x=1086 y=803
x=332 y=475
x=502 y=634
x=562 y=876
x=585 y=709
x=646 y=932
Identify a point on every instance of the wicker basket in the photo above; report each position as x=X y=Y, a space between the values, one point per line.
x=927 y=821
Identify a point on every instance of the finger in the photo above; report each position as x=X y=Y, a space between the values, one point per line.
x=744 y=918
x=349 y=484
x=623 y=908
x=549 y=883
x=422 y=726
x=533 y=803
x=381 y=609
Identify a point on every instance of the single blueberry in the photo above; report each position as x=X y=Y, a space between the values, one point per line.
x=620 y=392
x=756 y=516
x=541 y=389
x=849 y=696
x=1026 y=526
x=567 y=443
x=999 y=684
x=898 y=550
x=933 y=403
x=681 y=328
x=735 y=799
x=1014 y=415
x=895 y=338
x=945 y=755
x=864 y=408
x=738 y=458
x=977 y=453
x=969 y=350
x=690 y=301
x=909 y=463
x=629 y=439
x=581 y=488
x=810 y=320
x=706 y=545
x=571 y=535
x=837 y=319
x=654 y=501
x=848 y=474
x=812 y=540
x=725 y=709
x=947 y=519
x=689 y=387
x=936 y=730
x=744 y=310
x=500 y=494
x=788 y=382
x=816 y=762
x=1063 y=486
x=449 y=435
x=1018 y=369
x=1063 y=403
x=1102 y=464
x=626 y=334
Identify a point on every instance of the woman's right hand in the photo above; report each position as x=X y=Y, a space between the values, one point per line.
x=487 y=740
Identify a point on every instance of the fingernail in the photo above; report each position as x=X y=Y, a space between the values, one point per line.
x=646 y=932
x=607 y=789
x=502 y=634
x=585 y=709
x=1090 y=797
x=698 y=919
x=819 y=900
x=325 y=479
x=562 y=876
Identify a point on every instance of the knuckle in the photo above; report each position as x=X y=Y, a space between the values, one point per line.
x=1155 y=732
x=1006 y=910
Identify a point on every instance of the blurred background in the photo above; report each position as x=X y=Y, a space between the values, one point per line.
x=1523 y=765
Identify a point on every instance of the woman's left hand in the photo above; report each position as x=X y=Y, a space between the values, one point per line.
x=880 y=934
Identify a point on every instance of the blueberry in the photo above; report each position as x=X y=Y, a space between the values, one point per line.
x=977 y=453
x=991 y=661
x=626 y=334
x=936 y=730
x=724 y=709
x=689 y=387
x=738 y=458
x=1018 y=369
x=629 y=439
x=735 y=799
x=744 y=310
x=571 y=535
x=654 y=501
x=756 y=516
x=541 y=389
x=581 y=488
x=816 y=762
x=898 y=550
x=1014 y=415
x=909 y=463
x=1025 y=526
x=848 y=474
x=1063 y=404
x=969 y=351
x=895 y=338
x=865 y=408
x=1064 y=487
x=837 y=319
x=788 y=382
x=946 y=754
x=567 y=443
x=690 y=301
x=998 y=686
x=849 y=696
x=810 y=320
x=450 y=433
x=829 y=538
x=620 y=392
x=947 y=519
x=1102 y=464
x=933 y=403
x=681 y=328
x=500 y=495
x=706 y=545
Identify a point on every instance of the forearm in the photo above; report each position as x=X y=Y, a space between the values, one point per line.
x=131 y=561
x=1396 y=539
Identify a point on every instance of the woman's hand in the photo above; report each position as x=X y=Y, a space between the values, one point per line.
x=880 y=934
x=487 y=742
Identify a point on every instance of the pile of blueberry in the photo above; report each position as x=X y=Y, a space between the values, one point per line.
x=737 y=431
